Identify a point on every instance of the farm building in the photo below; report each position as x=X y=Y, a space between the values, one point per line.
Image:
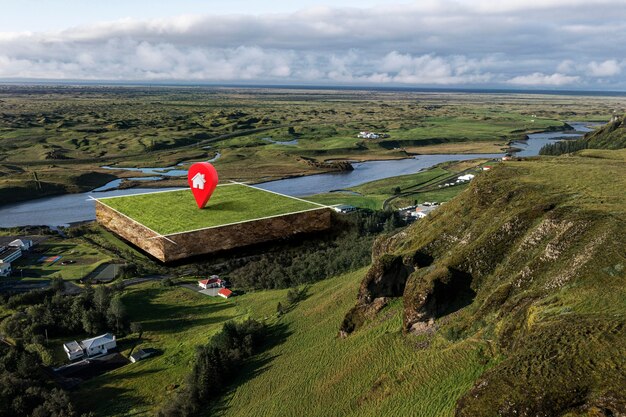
x=418 y=214
x=9 y=254
x=213 y=282
x=23 y=244
x=142 y=354
x=466 y=177
x=344 y=208
x=5 y=269
x=225 y=293
x=98 y=345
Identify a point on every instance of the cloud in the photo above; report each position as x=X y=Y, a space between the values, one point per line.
x=540 y=79
x=607 y=68
x=433 y=42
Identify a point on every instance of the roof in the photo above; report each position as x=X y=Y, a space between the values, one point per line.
x=98 y=340
x=225 y=292
x=20 y=242
x=209 y=281
x=8 y=252
x=73 y=346
x=143 y=353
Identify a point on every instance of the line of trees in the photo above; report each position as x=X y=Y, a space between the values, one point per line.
x=316 y=260
x=564 y=146
x=216 y=365
x=25 y=389
x=50 y=313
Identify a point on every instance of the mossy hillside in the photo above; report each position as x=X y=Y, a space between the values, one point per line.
x=530 y=258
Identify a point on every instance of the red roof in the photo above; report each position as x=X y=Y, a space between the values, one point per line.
x=209 y=281
x=225 y=292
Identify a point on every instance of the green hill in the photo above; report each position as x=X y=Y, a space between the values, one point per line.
x=610 y=136
x=529 y=261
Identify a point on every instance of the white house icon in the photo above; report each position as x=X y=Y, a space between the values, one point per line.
x=198 y=181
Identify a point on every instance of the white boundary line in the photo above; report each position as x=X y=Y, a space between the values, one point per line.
x=157 y=192
x=158 y=235
x=246 y=221
x=280 y=194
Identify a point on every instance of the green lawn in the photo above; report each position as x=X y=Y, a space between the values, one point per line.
x=176 y=211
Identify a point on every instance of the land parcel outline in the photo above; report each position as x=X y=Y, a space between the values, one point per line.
x=169 y=226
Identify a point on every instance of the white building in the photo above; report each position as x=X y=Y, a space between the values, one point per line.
x=5 y=269
x=418 y=214
x=344 y=208
x=466 y=177
x=99 y=345
x=23 y=244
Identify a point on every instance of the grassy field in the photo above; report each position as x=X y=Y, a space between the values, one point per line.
x=309 y=371
x=176 y=211
x=39 y=263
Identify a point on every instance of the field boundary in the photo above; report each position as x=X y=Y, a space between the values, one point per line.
x=165 y=236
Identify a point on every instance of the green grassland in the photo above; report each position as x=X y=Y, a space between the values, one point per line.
x=65 y=134
x=420 y=187
x=176 y=211
x=311 y=370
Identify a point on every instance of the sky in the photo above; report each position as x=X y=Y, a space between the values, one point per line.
x=545 y=44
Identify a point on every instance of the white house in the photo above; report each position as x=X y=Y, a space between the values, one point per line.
x=23 y=244
x=344 y=208
x=99 y=345
x=212 y=282
x=5 y=269
x=198 y=181
x=418 y=214
x=466 y=177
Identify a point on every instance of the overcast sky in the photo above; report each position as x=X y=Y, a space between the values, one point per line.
x=567 y=44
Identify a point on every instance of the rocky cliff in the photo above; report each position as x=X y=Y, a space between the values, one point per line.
x=530 y=260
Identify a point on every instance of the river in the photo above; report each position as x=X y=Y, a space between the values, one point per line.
x=71 y=208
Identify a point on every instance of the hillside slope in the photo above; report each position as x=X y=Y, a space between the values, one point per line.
x=531 y=261
x=610 y=136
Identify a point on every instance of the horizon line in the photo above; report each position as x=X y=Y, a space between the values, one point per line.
x=308 y=86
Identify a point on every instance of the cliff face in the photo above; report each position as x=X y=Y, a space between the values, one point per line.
x=531 y=260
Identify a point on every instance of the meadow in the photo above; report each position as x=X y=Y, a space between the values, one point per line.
x=230 y=203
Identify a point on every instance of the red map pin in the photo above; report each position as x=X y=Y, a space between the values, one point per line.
x=202 y=179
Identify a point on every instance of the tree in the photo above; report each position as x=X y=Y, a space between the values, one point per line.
x=279 y=309
x=57 y=284
x=397 y=191
x=101 y=298
x=136 y=327
x=116 y=314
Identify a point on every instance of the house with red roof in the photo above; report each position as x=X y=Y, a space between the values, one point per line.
x=213 y=282
x=225 y=292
